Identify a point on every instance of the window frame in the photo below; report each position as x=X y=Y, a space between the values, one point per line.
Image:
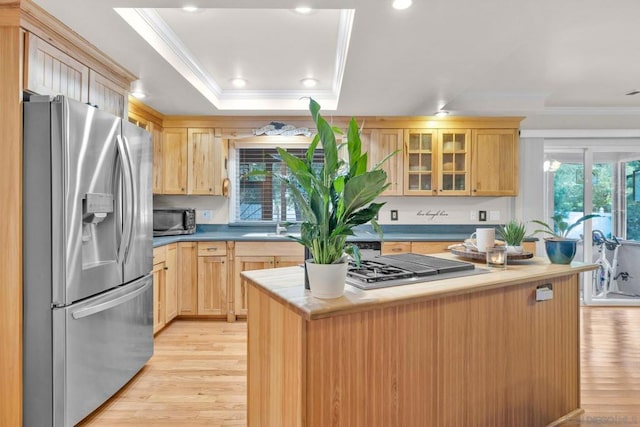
x=265 y=142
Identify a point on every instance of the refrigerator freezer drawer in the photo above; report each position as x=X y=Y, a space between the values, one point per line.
x=107 y=339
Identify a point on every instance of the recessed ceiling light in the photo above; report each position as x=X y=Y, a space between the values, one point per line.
x=401 y=4
x=303 y=10
x=238 y=82
x=138 y=94
x=309 y=82
x=190 y=8
x=441 y=113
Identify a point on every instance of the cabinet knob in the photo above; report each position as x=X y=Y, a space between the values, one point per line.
x=475 y=190
x=166 y=268
x=210 y=189
x=182 y=189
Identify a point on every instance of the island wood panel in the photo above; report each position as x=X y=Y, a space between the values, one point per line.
x=483 y=359
x=278 y=379
x=11 y=227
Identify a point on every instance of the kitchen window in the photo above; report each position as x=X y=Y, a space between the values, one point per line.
x=260 y=198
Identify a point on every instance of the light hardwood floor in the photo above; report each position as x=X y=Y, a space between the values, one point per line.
x=197 y=376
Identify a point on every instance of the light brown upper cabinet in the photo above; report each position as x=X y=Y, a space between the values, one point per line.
x=495 y=162
x=174 y=161
x=207 y=162
x=420 y=162
x=156 y=138
x=437 y=162
x=379 y=143
x=49 y=71
x=106 y=95
x=194 y=161
x=453 y=156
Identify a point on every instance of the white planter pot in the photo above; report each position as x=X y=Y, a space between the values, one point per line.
x=515 y=249
x=326 y=280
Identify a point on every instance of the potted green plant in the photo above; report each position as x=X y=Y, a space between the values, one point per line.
x=513 y=232
x=559 y=247
x=332 y=201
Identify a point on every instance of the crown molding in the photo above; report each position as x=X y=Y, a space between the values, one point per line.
x=155 y=31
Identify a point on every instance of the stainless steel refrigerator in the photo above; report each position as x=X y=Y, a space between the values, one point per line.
x=88 y=292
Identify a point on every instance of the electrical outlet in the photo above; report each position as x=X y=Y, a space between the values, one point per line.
x=206 y=215
x=394 y=215
x=482 y=215
x=473 y=216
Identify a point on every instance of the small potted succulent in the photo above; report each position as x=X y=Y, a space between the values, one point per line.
x=513 y=232
x=559 y=247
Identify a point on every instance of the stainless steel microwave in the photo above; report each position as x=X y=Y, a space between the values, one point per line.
x=170 y=222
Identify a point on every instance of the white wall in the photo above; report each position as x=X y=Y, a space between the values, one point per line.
x=446 y=210
x=411 y=210
x=218 y=205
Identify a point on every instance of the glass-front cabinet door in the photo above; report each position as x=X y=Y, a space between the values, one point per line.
x=454 y=147
x=437 y=162
x=420 y=161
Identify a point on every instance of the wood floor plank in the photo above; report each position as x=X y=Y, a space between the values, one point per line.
x=197 y=376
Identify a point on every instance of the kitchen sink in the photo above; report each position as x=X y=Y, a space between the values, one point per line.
x=264 y=235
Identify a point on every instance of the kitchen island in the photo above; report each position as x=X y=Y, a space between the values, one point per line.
x=473 y=351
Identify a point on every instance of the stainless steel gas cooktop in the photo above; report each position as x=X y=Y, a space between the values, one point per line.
x=404 y=269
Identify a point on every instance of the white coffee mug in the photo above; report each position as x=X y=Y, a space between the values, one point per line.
x=485 y=238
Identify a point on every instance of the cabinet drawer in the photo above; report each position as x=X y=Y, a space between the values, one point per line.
x=269 y=249
x=212 y=248
x=159 y=254
x=395 y=247
x=430 y=247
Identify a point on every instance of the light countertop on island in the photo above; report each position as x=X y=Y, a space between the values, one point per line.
x=286 y=285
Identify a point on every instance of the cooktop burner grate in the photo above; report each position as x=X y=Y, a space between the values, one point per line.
x=393 y=270
x=371 y=271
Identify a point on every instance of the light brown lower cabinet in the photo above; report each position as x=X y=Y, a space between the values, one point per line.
x=171 y=284
x=415 y=247
x=427 y=248
x=187 y=278
x=213 y=297
x=165 y=285
x=250 y=256
x=158 y=290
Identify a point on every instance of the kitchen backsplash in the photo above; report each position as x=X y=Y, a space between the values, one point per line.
x=409 y=210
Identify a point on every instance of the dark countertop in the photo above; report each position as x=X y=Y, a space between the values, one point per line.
x=392 y=233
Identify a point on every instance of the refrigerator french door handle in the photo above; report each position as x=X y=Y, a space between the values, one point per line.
x=134 y=198
x=103 y=306
x=127 y=213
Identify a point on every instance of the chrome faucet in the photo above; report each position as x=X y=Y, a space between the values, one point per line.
x=281 y=229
